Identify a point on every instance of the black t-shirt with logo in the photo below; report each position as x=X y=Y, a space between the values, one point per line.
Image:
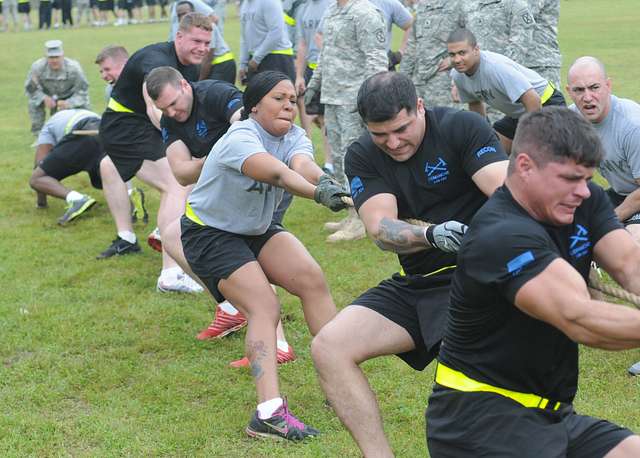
x=487 y=337
x=214 y=102
x=433 y=185
x=128 y=89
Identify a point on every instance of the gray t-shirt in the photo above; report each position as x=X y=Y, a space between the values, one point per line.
x=307 y=22
x=620 y=136
x=394 y=12
x=499 y=82
x=226 y=199
x=262 y=30
x=60 y=124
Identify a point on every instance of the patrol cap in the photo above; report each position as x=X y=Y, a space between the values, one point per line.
x=53 y=48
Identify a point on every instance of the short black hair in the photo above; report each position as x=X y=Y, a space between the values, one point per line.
x=383 y=95
x=463 y=34
x=556 y=134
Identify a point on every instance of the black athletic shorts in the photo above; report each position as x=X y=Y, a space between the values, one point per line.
x=151 y=2
x=24 y=7
x=419 y=305
x=214 y=255
x=93 y=3
x=616 y=199
x=224 y=71
x=129 y=139
x=278 y=62
x=463 y=425
x=507 y=126
x=74 y=154
x=105 y=5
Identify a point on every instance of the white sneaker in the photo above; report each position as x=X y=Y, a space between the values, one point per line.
x=182 y=283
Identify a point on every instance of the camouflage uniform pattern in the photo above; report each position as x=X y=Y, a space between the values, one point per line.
x=354 y=48
x=427 y=46
x=544 y=57
x=69 y=83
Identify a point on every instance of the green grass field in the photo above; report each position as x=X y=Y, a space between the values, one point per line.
x=94 y=362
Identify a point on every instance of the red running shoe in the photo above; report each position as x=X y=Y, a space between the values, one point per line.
x=223 y=324
x=283 y=357
x=154 y=240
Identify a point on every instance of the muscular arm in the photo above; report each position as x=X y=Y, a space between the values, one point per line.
x=152 y=112
x=531 y=100
x=629 y=206
x=490 y=177
x=185 y=168
x=565 y=304
x=267 y=169
x=380 y=217
x=619 y=255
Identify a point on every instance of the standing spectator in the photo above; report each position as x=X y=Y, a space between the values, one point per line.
x=67 y=16
x=84 y=9
x=24 y=8
x=56 y=7
x=544 y=58
x=44 y=14
x=395 y=12
x=10 y=12
x=56 y=83
x=354 y=48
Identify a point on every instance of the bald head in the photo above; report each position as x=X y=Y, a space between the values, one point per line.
x=590 y=88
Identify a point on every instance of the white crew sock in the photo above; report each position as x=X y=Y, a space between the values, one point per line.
x=73 y=196
x=282 y=345
x=228 y=308
x=171 y=273
x=267 y=408
x=128 y=236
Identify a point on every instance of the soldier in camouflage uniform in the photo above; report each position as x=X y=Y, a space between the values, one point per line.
x=545 y=58
x=354 y=48
x=56 y=83
x=426 y=59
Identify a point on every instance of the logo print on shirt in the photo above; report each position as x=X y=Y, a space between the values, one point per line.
x=516 y=264
x=484 y=150
x=201 y=128
x=165 y=135
x=579 y=242
x=356 y=186
x=437 y=173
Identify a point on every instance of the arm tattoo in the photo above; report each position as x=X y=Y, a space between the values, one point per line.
x=400 y=237
x=256 y=352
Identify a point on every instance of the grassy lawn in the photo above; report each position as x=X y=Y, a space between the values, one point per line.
x=94 y=362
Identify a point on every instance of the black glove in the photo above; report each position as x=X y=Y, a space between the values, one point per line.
x=329 y=193
x=446 y=236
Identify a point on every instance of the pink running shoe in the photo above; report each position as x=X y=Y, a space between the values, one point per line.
x=283 y=357
x=224 y=323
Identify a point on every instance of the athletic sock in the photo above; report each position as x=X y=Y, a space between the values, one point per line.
x=73 y=196
x=282 y=345
x=128 y=236
x=228 y=308
x=267 y=408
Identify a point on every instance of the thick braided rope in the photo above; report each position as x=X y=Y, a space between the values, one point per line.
x=594 y=278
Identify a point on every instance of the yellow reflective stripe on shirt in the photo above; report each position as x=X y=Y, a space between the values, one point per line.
x=189 y=213
x=289 y=20
x=286 y=52
x=548 y=92
x=437 y=271
x=456 y=380
x=223 y=58
x=117 y=106
x=69 y=126
x=312 y=65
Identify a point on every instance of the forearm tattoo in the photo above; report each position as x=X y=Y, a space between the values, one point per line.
x=256 y=352
x=400 y=237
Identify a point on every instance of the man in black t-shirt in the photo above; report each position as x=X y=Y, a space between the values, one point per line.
x=130 y=129
x=434 y=165
x=508 y=365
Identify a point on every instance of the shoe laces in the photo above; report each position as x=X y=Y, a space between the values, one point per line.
x=290 y=419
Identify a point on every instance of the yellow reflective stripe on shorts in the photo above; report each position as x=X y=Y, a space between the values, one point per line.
x=312 y=65
x=437 y=271
x=69 y=127
x=189 y=213
x=286 y=52
x=548 y=92
x=456 y=380
x=289 y=20
x=223 y=58
x=117 y=106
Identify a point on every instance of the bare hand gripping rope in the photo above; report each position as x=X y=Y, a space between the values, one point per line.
x=594 y=278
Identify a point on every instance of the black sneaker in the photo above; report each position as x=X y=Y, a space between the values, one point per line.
x=282 y=425
x=119 y=247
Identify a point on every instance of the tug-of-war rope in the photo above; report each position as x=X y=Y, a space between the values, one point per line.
x=594 y=277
